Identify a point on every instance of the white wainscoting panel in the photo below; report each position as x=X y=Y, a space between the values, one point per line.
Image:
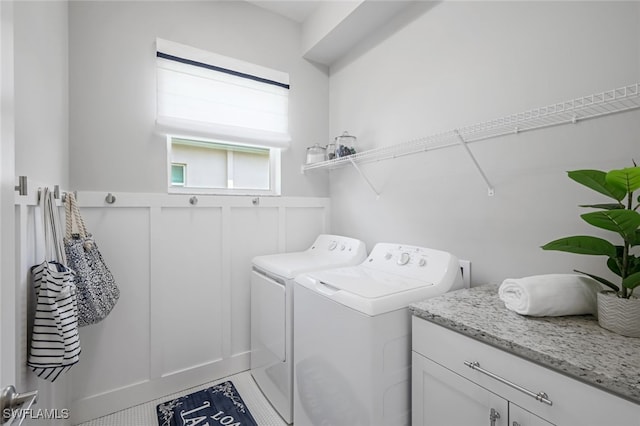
x=115 y=351
x=255 y=233
x=183 y=271
x=187 y=277
x=303 y=224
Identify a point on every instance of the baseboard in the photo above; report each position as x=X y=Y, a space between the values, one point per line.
x=114 y=400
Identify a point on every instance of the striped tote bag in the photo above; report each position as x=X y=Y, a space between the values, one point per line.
x=55 y=344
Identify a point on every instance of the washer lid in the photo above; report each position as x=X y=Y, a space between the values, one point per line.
x=367 y=282
x=369 y=291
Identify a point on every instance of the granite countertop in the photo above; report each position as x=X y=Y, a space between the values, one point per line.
x=573 y=345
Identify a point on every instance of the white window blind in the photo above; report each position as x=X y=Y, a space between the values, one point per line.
x=203 y=94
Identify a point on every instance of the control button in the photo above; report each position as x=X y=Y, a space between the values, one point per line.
x=422 y=262
x=333 y=245
x=404 y=258
x=387 y=256
x=342 y=247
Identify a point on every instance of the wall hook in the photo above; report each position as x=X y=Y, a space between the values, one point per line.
x=22 y=185
x=64 y=196
x=193 y=200
x=255 y=201
x=110 y=198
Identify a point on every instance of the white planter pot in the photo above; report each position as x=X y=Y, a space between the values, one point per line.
x=622 y=316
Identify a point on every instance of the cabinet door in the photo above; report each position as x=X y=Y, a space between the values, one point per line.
x=441 y=397
x=518 y=416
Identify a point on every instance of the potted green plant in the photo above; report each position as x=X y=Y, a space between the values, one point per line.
x=618 y=308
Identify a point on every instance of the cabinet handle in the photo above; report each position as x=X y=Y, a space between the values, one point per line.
x=493 y=416
x=540 y=396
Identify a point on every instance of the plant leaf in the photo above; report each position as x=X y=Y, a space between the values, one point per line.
x=600 y=280
x=633 y=264
x=596 y=180
x=611 y=206
x=635 y=239
x=613 y=266
x=627 y=179
x=582 y=244
x=624 y=222
x=632 y=281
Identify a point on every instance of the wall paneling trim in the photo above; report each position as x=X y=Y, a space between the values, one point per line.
x=183 y=270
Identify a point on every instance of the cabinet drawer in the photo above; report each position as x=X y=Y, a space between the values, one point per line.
x=573 y=402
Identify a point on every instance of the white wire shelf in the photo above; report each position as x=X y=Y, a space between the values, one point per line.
x=570 y=112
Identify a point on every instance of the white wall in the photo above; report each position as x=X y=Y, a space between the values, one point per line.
x=40 y=36
x=442 y=65
x=42 y=91
x=183 y=317
x=112 y=86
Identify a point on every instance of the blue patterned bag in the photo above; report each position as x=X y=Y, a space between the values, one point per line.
x=97 y=291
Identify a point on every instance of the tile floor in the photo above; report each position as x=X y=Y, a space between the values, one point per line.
x=145 y=414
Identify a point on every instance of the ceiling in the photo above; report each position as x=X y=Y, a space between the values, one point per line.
x=297 y=10
x=342 y=23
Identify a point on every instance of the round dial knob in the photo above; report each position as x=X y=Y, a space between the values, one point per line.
x=387 y=256
x=404 y=259
x=422 y=262
x=333 y=245
x=342 y=247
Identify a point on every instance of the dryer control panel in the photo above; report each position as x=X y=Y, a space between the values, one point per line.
x=337 y=244
x=412 y=261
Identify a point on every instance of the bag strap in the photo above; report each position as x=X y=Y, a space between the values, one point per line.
x=54 y=249
x=46 y=224
x=73 y=217
x=56 y=226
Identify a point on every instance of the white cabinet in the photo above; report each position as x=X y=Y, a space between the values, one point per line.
x=444 y=398
x=518 y=416
x=447 y=392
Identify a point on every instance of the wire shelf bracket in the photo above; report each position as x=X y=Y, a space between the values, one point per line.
x=364 y=177
x=490 y=190
x=573 y=111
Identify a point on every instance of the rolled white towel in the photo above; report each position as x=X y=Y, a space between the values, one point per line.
x=550 y=295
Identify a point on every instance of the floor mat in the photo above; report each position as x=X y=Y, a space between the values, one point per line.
x=222 y=404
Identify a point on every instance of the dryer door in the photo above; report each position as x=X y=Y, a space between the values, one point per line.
x=271 y=341
x=268 y=327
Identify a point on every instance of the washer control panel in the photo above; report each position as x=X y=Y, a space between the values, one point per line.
x=410 y=261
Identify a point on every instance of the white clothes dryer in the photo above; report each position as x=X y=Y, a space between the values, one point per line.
x=272 y=280
x=352 y=337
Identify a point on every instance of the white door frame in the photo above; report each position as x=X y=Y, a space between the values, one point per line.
x=8 y=375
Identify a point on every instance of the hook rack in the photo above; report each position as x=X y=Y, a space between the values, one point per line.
x=573 y=111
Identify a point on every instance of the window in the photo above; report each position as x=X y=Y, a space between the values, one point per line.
x=178 y=172
x=222 y=168
x=225 y=120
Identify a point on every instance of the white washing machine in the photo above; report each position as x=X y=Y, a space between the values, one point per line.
x=352 y=337
x=272 y=281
